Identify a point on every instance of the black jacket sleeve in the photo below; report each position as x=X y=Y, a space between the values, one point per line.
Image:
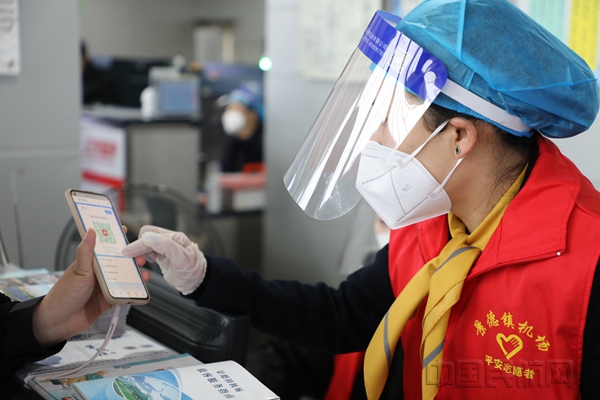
x=318 y=316
x=18 y=344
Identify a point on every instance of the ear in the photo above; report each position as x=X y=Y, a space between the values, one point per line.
x=463 y=136
x=252 y=121
x=252 y=117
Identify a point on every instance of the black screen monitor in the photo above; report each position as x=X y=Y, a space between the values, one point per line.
x=130 y=75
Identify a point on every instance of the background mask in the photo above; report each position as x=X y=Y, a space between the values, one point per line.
x=233 y=122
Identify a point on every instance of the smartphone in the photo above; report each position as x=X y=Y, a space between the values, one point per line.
x=119 y=277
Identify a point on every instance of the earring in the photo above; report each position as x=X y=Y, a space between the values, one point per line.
x=457 y=150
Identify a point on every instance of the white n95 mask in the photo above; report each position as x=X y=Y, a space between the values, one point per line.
x=233 y=122
x=398 y=187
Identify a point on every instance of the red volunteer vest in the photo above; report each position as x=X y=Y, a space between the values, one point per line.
x=517 y=330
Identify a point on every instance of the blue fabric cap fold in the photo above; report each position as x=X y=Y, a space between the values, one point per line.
x=499 y=53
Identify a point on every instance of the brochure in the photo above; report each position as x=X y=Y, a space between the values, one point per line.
x=25 y=286
x=131 y=346
x=61 y=389
x=213 y=381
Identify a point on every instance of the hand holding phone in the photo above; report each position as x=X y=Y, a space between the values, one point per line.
x=118 y=276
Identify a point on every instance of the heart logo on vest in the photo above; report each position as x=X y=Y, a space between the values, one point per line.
x=510 y=345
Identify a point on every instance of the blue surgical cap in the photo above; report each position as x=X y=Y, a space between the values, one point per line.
x=250 y=95
x=499 y=53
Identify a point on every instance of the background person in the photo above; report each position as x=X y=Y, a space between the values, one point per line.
x=242 y=120
x=493 y=256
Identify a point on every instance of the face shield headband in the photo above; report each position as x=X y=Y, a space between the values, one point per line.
x=390 y=80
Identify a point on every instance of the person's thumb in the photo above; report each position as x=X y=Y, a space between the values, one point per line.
x=85 y=252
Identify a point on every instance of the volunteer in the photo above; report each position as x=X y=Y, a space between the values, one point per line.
x=488 y=287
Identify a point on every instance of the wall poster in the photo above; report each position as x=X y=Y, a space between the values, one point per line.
x=10 y=57
x=330 y=31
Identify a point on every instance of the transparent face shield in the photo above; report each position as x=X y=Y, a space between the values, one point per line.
x=389 y=82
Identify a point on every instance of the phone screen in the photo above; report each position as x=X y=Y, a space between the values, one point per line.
x=120 y=273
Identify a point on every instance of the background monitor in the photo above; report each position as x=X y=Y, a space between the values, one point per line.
x=130 y=75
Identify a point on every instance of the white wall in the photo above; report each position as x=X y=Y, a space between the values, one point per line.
x=39 y=135
x=249 y=24
x=583 y=150
x=296 y=246
x=138 y=28
x=163 y=28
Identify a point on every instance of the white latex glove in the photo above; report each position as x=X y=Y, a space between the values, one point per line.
x=183 y=265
